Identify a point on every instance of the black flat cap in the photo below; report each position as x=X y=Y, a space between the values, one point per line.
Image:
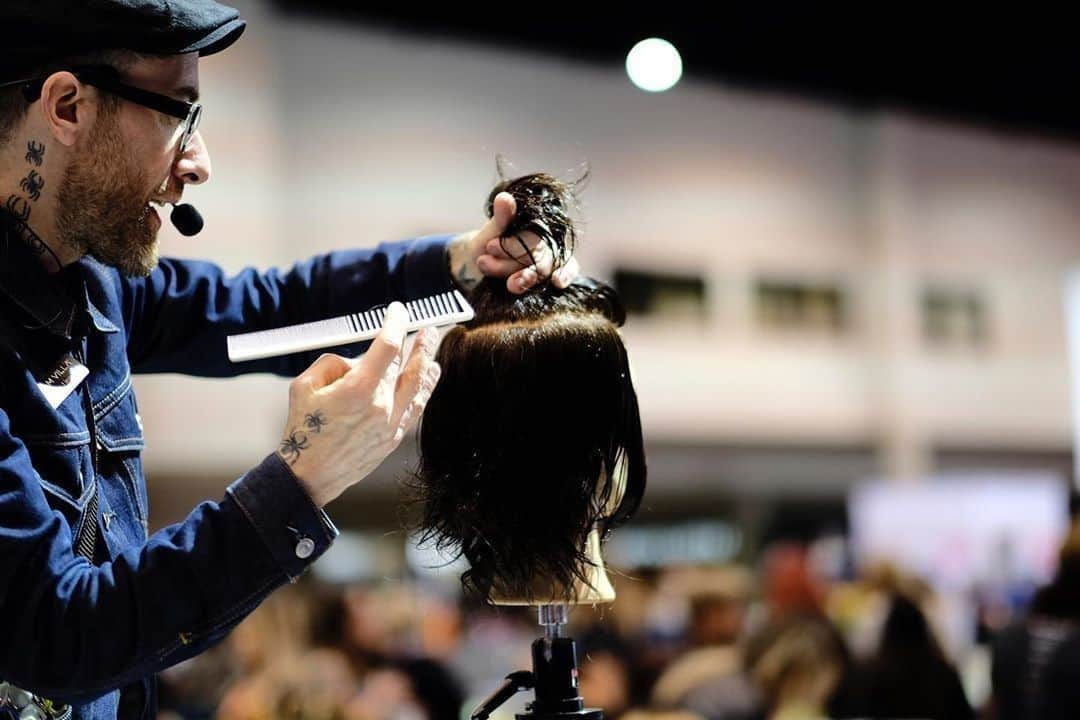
x=37 y=32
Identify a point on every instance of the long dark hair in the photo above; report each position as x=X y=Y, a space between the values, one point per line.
x=533 y=435
x=910 y=675
x=1060 y=599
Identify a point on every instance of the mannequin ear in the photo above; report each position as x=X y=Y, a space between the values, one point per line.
x=69 y=108
x=618 y=485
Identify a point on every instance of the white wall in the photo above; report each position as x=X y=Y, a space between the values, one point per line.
x=326 y=137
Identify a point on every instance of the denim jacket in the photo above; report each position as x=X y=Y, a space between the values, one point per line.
x=92 y=634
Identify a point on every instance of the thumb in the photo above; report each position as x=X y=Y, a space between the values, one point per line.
x=503 y=210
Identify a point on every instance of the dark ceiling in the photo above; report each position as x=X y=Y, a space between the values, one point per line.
x=1012 y=72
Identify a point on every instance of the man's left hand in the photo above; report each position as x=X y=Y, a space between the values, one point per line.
x=480 y=252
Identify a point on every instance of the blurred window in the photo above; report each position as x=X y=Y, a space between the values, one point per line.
x=666 y=295
x=953 y=317
x=787 y=305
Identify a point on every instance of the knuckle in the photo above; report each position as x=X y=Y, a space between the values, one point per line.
x=430 y=377
x=389 y=341
x=421 y=398
x=299 y=386
x=414 y=370
x=364 y=380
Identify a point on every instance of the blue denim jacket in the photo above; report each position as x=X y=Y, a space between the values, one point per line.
x=94 y=634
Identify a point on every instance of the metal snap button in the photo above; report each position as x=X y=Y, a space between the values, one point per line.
x=305 y=548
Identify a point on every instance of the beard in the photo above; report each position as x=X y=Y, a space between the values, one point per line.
x=104 y=204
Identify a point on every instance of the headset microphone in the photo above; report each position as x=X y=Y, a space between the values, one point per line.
x=186 y=219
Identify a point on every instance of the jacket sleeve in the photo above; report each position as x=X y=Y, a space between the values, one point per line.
x=73 y=631
x=177 y=318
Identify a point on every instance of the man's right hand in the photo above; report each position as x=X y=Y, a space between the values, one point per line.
x=346 y=416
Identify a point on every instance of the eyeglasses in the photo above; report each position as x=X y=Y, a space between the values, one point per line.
x=106 y=78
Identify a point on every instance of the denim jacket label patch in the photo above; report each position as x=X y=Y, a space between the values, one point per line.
x=62 y=381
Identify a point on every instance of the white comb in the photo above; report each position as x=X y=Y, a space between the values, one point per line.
x=434 y=311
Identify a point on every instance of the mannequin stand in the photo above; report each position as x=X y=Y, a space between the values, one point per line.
x=554 y=676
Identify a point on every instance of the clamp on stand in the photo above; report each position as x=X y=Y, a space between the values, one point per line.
x=17 y=704
x=554 y=676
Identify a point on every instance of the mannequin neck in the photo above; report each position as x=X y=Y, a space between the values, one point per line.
x=598 y=590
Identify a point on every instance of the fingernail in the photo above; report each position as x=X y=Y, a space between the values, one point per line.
x=396 y=313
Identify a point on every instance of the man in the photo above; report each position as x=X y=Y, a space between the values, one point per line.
x=98 y=128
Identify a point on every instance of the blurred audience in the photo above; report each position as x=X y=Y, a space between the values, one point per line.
x=909 y=676
x=680 y=643
x=789 y=581
x=412 y=689
x=709 y=677
x=317 y=685
x=1036 y=663
x=607 y=675
x=797 y=663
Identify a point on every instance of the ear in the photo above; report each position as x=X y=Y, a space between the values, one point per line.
x=69 y=107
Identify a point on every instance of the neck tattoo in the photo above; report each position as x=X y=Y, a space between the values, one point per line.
x=20 y=206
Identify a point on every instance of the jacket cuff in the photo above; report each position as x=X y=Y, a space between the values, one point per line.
x=294 y=530
x=427 y=266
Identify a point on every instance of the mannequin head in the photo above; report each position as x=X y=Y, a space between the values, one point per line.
x=531 y=442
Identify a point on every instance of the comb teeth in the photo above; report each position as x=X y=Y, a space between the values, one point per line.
x=433 y=311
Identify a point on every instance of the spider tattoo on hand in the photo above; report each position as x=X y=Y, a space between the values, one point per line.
x=35 y=153
x=32 y=185
x=315 y=421
x=293 y=445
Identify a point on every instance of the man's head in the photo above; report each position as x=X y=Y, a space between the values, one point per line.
x=92 y=142
x=106 y=161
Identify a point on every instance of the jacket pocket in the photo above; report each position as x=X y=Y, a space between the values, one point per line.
x=65 y=468
x=121 y=443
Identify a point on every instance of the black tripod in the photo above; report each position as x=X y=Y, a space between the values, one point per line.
x=554 y=677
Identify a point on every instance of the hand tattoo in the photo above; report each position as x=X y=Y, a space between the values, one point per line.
x=35 y=153
x=466 y=280
x=292 y=446
x=315 y=421
x=32 y=185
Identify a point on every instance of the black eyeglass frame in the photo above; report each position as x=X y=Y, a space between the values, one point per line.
x=106 y=78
